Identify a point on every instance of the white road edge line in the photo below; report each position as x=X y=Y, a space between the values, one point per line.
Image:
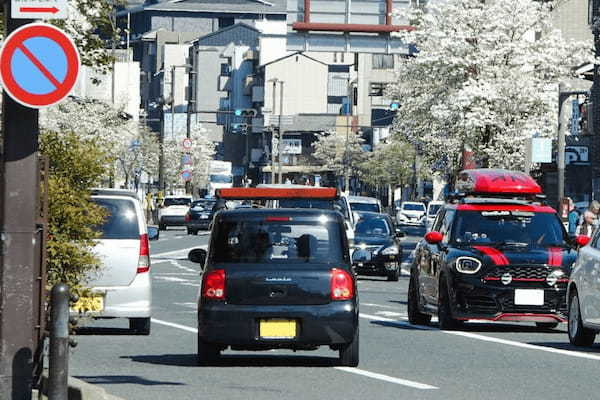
x=570 y=353
x=170 y=253
x=387 y=378
x=357 y=371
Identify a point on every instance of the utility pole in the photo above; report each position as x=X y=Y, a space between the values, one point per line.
x=274 y=141
x=161 y=148
x=594 y=115
x=172 y=101
x=19 y=198
x=191 y=107
x=280 y=143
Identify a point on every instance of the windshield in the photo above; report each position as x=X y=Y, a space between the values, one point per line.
x=413 y=207
x=221 y=178
x=508 y=227
x=433 y=209
x=370 y=207
x=372 y=227
x=203 y=205
x=277 y=242
x=121 y=221
x=177 y=201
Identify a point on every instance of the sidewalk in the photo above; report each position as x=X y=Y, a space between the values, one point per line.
x=78 y=390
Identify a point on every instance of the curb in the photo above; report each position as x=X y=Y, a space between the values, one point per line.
x=79 y=390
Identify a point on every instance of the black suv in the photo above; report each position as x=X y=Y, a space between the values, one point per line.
x=277 y=278
x=489 y=259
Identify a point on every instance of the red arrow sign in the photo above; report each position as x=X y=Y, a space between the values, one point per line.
x=52 y=10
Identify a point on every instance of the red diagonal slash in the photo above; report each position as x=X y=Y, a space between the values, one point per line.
x=39 y=66
x=52 y=10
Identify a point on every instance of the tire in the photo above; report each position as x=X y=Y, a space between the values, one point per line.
x=140 y=326
x=349 y=352
x=415 y=317
x=208 y=354
x=579 y=335
x=394 y=276
x=546 y=325
x=162 y=227
x=446 y=321
x=190 y=231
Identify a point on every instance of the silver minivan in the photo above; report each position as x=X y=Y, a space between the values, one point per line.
x=122 y=287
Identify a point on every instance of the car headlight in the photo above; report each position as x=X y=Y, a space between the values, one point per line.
x=390 y=251
x=553 y=277
x=468 y=265
x=402 y=216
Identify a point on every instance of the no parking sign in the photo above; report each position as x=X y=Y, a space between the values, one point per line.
x=39 y=65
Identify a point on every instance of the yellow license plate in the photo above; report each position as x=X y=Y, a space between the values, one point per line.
x=277 y=328
x=89 y=304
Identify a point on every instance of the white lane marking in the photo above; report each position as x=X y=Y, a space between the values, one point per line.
x=491 y=339
x=180 y=251
x=391 y=314
x=187 y=305
x=174 y=325
x=170 y=279
x=386 y=378
x=184 y=268
x=357 y=371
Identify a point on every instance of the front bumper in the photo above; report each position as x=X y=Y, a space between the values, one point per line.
x=203 y=224
x=474 y=298
x=378 y=266
x=330 y=324
x=411 y=222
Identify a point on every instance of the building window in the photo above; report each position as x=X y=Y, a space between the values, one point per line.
x=225 y=22
x=225 y=70
x=377 y=89
x=383 y=61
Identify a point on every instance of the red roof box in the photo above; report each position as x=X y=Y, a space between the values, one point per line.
x=496 y=181
x=277 y=193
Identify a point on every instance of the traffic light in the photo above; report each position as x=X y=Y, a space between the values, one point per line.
x=239 y=128
x=245 y=112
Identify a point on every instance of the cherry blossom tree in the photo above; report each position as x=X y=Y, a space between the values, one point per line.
x=484 y=78
x=337 y=152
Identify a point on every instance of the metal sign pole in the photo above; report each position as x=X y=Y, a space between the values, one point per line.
x=18 y=213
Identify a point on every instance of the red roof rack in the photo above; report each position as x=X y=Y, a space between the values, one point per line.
x=277 y=193
x=496 y=181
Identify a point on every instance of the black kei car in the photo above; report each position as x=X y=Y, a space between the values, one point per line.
x=377 y=250
x=277 y=278
x=499 y=258
x=199 y=216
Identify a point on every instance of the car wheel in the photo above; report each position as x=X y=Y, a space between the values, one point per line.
x=579 y=335
x=190 y=231
x=141 y=326
x=546 y=325
x=162 y=227
x=415 y=317
x=208 y=354
x=446 y=321
x=349 y=352
x=394 y=275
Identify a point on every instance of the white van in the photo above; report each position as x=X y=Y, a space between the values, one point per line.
x=173 y=210
x=364 y=204
x=432 y=209
x=122 y=287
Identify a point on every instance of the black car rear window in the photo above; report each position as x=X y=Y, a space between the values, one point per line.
x=121 y=221
x=369 y=207
x=535 y=229
x=372 y=227
x=183 y=201
x=277 y=241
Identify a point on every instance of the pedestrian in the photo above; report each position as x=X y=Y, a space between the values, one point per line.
x=573 y=217
x=149 y=205
x=595 y=209
x=587 y=227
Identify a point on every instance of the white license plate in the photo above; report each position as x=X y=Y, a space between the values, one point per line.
x=528 y=297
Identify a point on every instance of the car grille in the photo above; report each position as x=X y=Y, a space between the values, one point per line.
x=480 y=304
x=520 y=272
x=508 y=305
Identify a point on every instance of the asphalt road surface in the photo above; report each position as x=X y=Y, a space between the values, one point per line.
x=397 y=360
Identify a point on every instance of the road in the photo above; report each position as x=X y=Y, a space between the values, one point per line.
x=398 y=360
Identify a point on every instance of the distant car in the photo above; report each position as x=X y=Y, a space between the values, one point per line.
x=173 y=211
x=411 y=213
x=277 y=278
x=199 y=216
x=122 y=288
x=432 y=209
x=377 y=250
x=364 y=204
x=583 y=294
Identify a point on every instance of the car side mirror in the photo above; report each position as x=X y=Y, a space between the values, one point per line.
x=434 y=237
x=356 y=216
x=399 y=233
x=198 y=256
x=153 y=233
x=582 y=240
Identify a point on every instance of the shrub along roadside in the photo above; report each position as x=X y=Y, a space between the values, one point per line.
x=76 y=165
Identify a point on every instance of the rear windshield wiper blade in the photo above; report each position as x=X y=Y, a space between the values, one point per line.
x=511 y=244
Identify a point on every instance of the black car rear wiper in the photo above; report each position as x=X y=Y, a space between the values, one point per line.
x=510 y=244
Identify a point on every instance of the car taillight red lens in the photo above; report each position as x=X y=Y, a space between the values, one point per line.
x=213 y=285
x=342 y=285
x=187 y=217
x=144 y=260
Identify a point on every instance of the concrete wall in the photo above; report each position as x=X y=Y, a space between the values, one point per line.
x=367 y=75
x=305 y=88
x=176 y=55
x=570 y=16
